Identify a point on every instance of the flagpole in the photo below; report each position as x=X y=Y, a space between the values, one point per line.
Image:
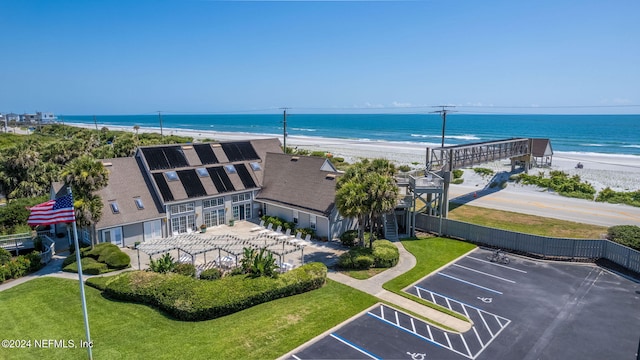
x=89 y=345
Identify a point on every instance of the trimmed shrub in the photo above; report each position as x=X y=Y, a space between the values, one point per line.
x=211 y=274
x=101 y=251
x=19 y=267
x=98 y=282
x=117 y=260
x=457 y=173
x=185 y=269
x=5 y=273
x=356 y=258
x=185 y=298
x=5 y=256
x=90 y=266
x=35 y=258
x=348 y=238
x=385 y=254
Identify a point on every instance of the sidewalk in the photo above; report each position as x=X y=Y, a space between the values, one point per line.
x=373 y=286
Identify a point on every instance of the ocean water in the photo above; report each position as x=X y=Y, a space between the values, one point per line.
x=609 y=134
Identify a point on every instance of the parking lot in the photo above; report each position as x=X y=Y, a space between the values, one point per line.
x=527 y=309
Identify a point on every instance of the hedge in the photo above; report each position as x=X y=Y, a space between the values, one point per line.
x=19 y=266
x=383 y=255
x=189 y=299
x=90 y=266
x=108 y=255
x=211 y=274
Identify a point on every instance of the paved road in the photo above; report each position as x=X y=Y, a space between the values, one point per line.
x=547 y=205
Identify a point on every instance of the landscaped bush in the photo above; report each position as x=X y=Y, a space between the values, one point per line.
x=306 y=231
x=385 y=254
x=117 y=260
x=404 y=168
x=90 y=266
x=107 y=254
x=98 y=282
x=5 y=273
x=276 y=221
x=349 y=237
x=211 y=274
x=185 y=269
x=163 y=265
x=19 y=267
x=5 y=256
x=185 y=298
x=627 y=235
x=457 y=173
x=35 y=259
x=359 y=258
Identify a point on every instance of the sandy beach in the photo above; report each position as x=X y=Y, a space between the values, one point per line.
x=619 y=172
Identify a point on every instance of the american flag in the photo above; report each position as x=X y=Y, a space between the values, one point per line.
x=55 y=211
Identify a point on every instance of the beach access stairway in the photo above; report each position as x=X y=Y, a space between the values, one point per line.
x=390 y=227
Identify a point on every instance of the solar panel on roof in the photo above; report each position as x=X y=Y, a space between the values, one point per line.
x=247 y=151
x=206 y=154
x=163 y=187
x=155 y=158
x=175 y=156
x=232 y=151
x=191 y=182
x=165 y=157
x=245 y=176
x=220 y=179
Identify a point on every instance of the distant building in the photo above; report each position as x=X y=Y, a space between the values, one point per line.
x=46 y=117
x=29 y=118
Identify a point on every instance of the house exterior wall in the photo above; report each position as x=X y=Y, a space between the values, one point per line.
x=132 y=233
x=326 y=228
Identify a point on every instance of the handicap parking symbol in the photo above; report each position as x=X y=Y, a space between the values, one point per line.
x=417 y=356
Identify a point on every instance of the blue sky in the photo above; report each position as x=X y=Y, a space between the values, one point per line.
x=136 y=57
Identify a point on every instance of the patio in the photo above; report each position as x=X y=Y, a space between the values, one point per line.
x=223 y=246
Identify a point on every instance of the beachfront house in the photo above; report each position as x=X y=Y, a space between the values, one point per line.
x=167 y=190
x=301 y=189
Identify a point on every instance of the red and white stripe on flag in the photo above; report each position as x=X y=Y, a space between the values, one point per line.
x=60 y=210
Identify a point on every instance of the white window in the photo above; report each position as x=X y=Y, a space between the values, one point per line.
x=209 y=203
x=214 y=217
x=312 y=221
x=182 y=208
x=183 y=224
x=241 y=197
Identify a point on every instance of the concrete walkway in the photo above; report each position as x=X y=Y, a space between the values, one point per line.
x=373 y=286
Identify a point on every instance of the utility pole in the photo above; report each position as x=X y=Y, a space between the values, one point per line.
x=443 y=112
x=160 y=119
x=284 y=125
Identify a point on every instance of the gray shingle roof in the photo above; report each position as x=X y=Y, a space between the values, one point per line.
x=126 y=183
x=299 y=182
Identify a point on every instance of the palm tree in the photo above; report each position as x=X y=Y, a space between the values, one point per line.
x=86 y=175
x=383 y=197
x=351 y=202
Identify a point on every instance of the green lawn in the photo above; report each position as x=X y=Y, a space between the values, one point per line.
x=49 y=308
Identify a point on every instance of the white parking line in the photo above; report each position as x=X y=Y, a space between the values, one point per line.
x=470 y=283
x=492 y=263
x=353 y=346
x=484 y=273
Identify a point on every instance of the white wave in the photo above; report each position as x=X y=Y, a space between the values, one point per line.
x=304 y=129
x=593 y=145
x=632 y=146
x=456 y=137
